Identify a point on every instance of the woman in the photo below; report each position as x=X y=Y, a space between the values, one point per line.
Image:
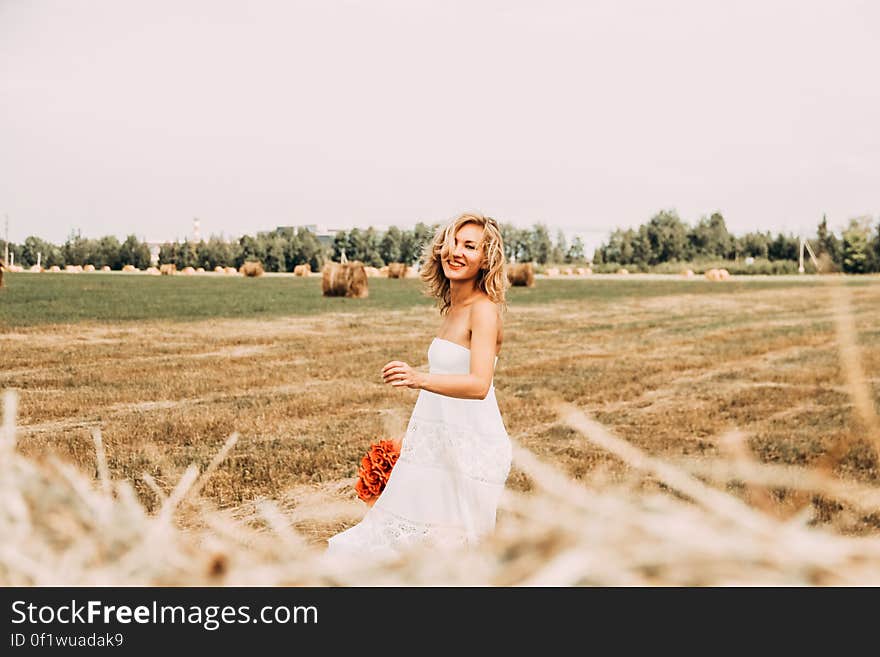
x=455 y=455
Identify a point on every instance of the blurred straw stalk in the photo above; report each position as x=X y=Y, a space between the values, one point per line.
x=62 y=527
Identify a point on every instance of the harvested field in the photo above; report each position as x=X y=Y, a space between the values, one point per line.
x=674 y=367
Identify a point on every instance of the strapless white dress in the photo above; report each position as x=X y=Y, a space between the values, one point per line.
x=444 y=489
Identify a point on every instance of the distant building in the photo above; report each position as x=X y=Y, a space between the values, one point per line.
x=325 y=235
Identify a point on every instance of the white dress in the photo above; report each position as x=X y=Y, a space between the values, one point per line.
x=444 y=489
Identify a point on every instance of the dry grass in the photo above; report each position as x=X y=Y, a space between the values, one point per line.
x=767 y=398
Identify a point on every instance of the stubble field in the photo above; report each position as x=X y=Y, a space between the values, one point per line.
x=168 y=368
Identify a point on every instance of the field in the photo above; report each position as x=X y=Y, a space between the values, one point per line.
x=168 y=367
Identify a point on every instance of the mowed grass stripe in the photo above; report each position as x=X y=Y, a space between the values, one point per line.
x=38 y=299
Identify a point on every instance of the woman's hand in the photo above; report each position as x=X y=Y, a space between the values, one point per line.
x=398 y=373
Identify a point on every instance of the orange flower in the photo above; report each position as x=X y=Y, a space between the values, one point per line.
x=375 y=469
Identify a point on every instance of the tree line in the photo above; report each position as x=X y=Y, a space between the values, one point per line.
x=666 y=238
x=282 y=249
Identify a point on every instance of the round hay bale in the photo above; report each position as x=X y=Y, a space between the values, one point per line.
x=397 y=270
x=688 y=273
x=252 y=269
x=188 y=271
x=231 y=270
x=106 y=268
x=713 y=275
x=200 y=270
x=411 y=272
x=551 y=271
x=73 y=269
x=88 y=268
x=521 y=274
x=344 y=280
x=383 y=271
x=152 y=271
x=168 y=269
x=374 y=272
x=724 y=274
x=302 y=270
x=219 y=269
x=36 y=269
x=54 y=269
x=567 y=271
x=623 y=272
x=129 y=268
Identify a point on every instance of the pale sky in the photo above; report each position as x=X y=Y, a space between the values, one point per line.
x=123 y=116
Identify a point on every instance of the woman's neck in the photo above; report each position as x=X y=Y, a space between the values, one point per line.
x=461 y=293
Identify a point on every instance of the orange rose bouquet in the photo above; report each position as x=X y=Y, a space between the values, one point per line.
x=375 y=469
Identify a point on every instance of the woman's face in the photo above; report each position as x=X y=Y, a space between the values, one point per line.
x=463 y=262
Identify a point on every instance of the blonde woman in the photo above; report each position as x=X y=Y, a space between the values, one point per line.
x=455 y=455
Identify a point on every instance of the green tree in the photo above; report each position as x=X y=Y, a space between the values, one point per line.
x=856 y=238
x=710 y=238
x=390 y=245
x=276 y=256
x=575 y=252
x=668 y=237
x=107 y=252
x=340 y=246
x=754 y=244
x=34 y=246
x=252 y=250
x=642 y=253
x=540 y=243
x=784 y=247
x=827 y=241
x=559 y=253
x=134 y=252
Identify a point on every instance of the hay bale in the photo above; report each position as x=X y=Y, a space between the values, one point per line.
x=88 y=268
x=152 y=271
x=129 y=268
x=106 y=268
x=73 y=269
x=302 y=270
x=397 y=270
x=252 y=269
x=713 y=275
x=188 y=271
x=230 y=270
x=374 y=272
x=383 y=271
x=200 y=270
x=168 y=269
x=344 y=280
x=54 y=268
x=36 y=269
x=724 y=274
x=623 y=272
x=219 y=269
x=567 y=271
x=521 y=274
x=411 y=272
x=688 y=273
x=551 y=271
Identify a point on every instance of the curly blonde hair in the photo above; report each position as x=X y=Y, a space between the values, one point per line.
x=492 y=278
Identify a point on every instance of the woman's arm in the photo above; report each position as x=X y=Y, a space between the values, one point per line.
x=476 y=384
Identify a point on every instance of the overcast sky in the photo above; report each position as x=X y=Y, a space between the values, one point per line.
x=119 y=116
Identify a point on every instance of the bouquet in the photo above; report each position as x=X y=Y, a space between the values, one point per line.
x=375 y=469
